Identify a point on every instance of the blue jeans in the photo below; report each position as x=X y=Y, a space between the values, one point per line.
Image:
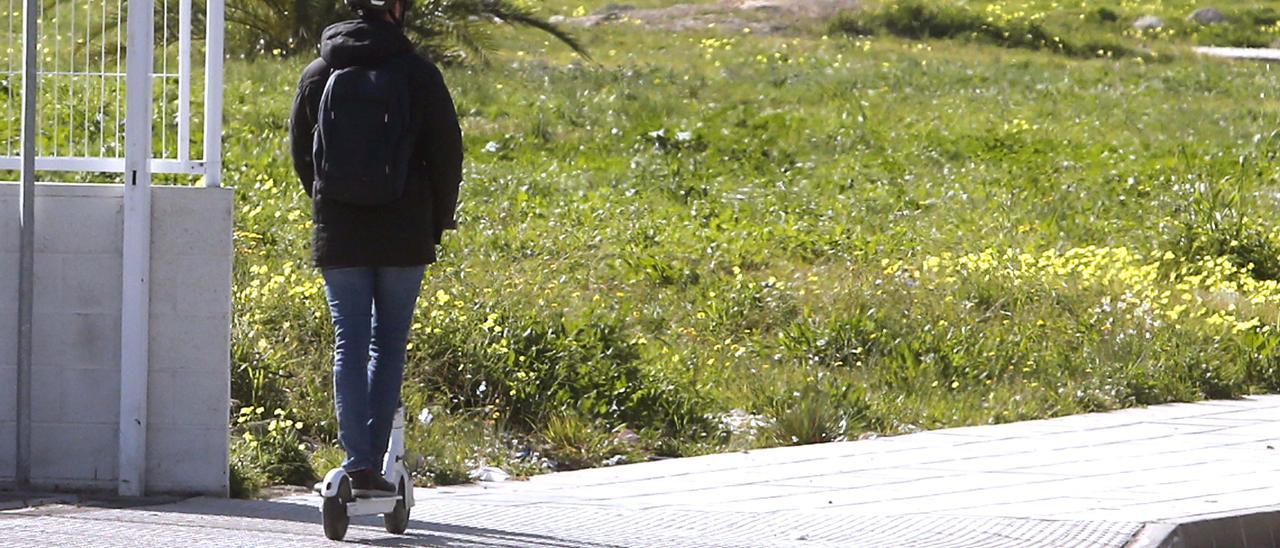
x=372 y=309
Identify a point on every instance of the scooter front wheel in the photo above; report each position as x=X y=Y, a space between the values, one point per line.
x=335 y=518
x=334 y=511
x=397 y=520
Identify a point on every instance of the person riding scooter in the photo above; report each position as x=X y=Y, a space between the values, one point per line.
x=377 y=147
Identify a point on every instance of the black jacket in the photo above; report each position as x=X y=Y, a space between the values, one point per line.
x=404 y=232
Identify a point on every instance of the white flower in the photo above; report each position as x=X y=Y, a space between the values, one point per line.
x=491 y=147
x=425 y=417
x=658 y=133
x=684 y=136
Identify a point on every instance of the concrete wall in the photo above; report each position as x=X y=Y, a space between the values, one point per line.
x=76 y=338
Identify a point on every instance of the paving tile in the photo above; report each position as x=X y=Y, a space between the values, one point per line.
x=885 y=479
x=757 y=497
x=1260 y=414
x=1042 y=509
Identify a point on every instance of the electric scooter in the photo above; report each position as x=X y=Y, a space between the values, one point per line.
x=340 y=502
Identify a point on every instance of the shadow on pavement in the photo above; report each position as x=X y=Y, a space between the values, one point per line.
x=420 y=533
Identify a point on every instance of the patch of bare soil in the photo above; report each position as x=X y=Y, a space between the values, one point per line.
x=765 y=16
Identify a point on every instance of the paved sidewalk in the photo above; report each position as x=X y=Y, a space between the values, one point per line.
x=1255 y=54
x=1199 y=473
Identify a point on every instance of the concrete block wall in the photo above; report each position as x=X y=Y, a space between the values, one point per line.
x=76 y=337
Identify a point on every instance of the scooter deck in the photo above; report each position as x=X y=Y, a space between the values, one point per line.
x=365 y=505
x=318 y=489
x=370 y=506
x=376 y=495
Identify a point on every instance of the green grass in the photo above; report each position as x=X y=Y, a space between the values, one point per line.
x=915 y=19
x=568 y=7
x=704 y=222
x=1086 y=31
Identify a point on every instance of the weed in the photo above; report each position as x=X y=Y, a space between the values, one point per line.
x=272 y=448
x=820 y=412
x=574 y=443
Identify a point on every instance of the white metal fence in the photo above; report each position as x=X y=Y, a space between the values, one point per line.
x=114 y=87
x=82 y=58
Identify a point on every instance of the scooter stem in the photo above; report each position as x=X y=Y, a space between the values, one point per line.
x=395 y=449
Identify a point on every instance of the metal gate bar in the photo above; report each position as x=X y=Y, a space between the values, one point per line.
x=83 y=87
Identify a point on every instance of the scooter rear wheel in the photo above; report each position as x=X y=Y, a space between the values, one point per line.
x=397 y=520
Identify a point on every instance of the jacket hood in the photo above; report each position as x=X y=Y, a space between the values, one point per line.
x=362 y=42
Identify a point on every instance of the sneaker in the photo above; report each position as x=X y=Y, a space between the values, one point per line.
x=367 y=483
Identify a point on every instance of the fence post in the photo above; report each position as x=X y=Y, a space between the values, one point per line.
x=27 y=228
x=213 y=29
x=135 y=292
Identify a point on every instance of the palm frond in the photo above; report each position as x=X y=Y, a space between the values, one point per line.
x=448 y=28
x=508 y=12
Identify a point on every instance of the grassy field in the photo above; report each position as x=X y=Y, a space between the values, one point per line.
x=830 y=234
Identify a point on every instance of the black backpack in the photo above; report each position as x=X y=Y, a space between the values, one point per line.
x=363 y=139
